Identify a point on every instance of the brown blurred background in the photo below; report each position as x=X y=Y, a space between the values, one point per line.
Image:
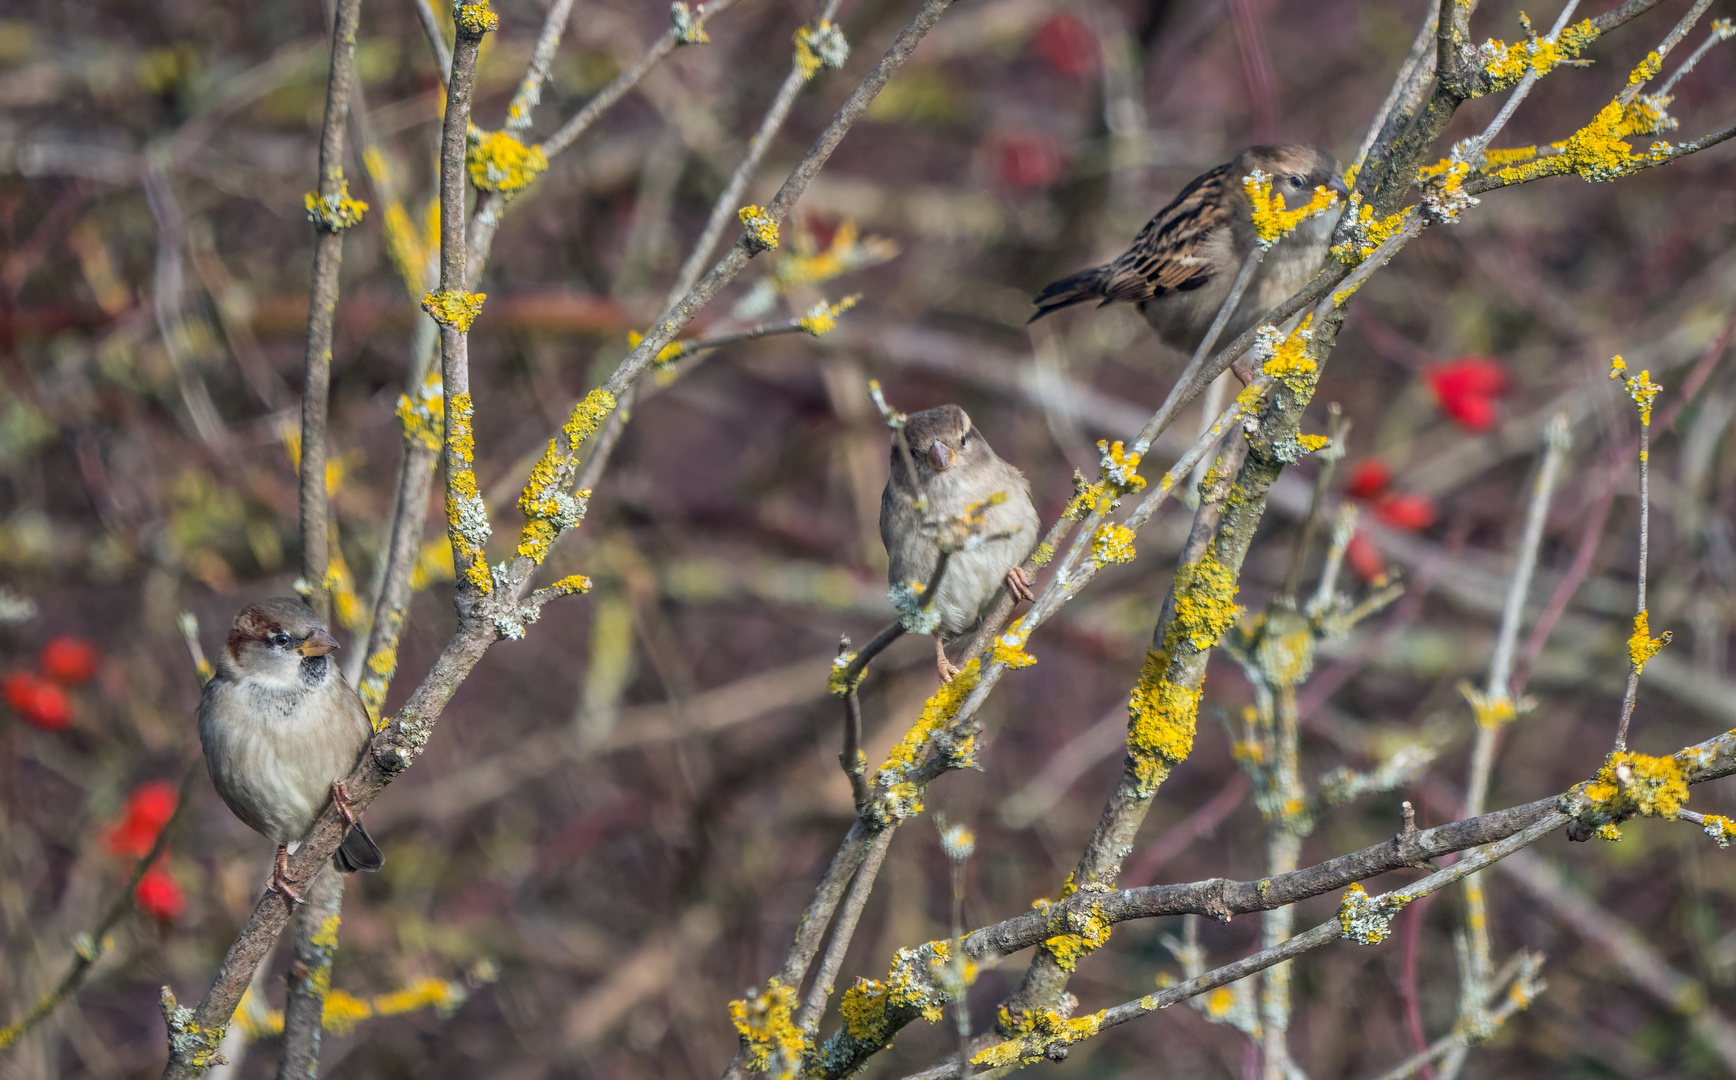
x=620 y=817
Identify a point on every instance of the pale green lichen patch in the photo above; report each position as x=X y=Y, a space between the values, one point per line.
x=822 y=45
x=688 y=29
x=1368 y=920
x=1719 y=828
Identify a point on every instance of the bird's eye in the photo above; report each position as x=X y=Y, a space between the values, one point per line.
x=278 y=638
x=964 y=440
x=1295 y=181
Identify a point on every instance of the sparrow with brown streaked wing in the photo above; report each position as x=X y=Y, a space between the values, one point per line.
x=951 y=467
x=281 y=728
x=1182 y=264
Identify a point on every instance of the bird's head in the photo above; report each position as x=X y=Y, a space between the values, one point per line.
x=940 y=439
x=1296 y=170
x=280 y=642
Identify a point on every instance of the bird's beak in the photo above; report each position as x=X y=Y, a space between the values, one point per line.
x=318 y=643
x=1337 y=187
x=939 y=457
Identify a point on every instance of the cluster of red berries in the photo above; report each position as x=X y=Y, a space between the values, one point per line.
x=39 y=697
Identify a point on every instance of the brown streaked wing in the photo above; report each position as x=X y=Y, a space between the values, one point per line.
x=1163 y=256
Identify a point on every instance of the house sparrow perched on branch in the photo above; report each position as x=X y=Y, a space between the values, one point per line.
x=281 y=728
x=1182 y=264
x=938 y=457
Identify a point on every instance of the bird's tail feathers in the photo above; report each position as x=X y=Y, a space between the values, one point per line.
x=1073 y=289
x=358 y=851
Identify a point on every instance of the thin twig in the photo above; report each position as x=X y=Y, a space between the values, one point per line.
x=331 y=214
x=90 y=947
x=843 y=930
x=1494 y=708
x=724 y=207
x=436 y=40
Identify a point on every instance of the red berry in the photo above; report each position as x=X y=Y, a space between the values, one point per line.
x=159 y=896
x=148 y=809
x=1411 y=513
x=1364 y=559
x=69 y=660
x=37 y=701
x=1466 y=389
x=1370 y=479
x=1027 y=159
x=1066 y=45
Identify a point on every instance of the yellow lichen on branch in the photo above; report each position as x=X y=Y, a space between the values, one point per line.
x=1161 y=717
x=1040 y=1032
x=1367 y=234
x=454 y=308
x=342 y=1011
x=1642 y=646
x=1599 y=151
x=761 y=230
x=1078 y=934
x=903 y=797
x=1009 y=648
x=1640 y=388
x=1507 y=64
x=822 y=318
x=820 y=46
x=499 y=162
x=424 y=416
x=1162 y=712
x=1272 y=220
x=466 y=515
x=1288 y=361
x=1632 y=784
x=588 y=416
x=475 y=19
x=768 y=1030
x=337 y=213
x=1112 y=543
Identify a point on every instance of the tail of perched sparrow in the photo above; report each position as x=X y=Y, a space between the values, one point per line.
x=358 y=851
x=1074 y=289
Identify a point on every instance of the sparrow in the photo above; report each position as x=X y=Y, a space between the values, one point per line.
x=943 y=468
x=281 y=728
x=1182 y=264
